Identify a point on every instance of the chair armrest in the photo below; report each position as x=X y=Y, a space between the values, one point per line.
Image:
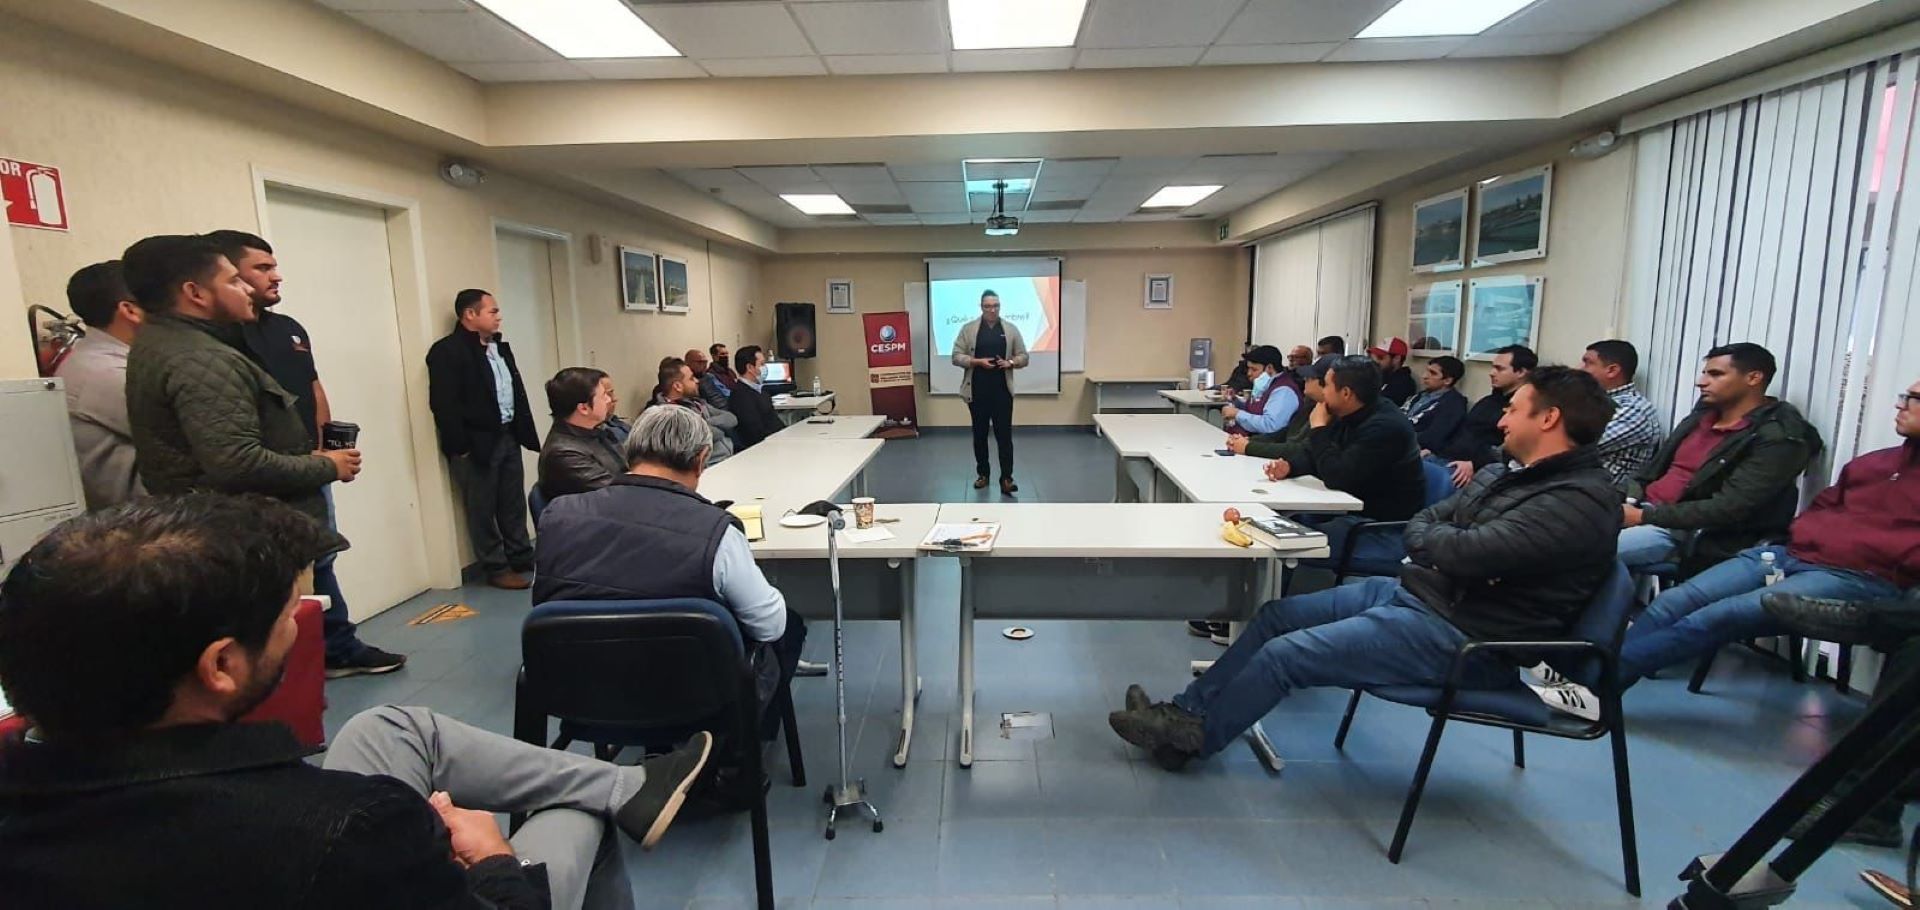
x=1344 y=558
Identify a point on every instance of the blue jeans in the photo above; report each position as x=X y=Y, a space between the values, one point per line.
x=1369 y=633
x=343 y=641
x=1722 y=605
x=1647 y=545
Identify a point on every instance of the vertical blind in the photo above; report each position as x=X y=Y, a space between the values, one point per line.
x=1315 y=281
x=1780 y=219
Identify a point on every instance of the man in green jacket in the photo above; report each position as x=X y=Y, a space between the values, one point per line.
x=1727 y=477
x=1293 y=439
x=205 y=416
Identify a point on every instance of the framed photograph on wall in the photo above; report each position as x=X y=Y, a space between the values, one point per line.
x=1501 y=311
x=639 y=280
x=1510 y=216
x=1440 y=232
x=1160 y=292
x=1433 y=318
x=673 y=286
x=840 y=296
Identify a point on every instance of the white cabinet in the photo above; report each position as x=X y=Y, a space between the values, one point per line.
x=39 y=473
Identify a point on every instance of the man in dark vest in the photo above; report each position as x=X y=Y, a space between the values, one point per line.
x=649 y=536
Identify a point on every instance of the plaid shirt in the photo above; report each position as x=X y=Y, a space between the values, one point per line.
x=1632 y=435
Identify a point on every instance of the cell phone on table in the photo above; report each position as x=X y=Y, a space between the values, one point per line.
x=1223 y=452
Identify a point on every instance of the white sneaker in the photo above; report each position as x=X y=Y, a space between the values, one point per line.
x=1542 y=675
x=1570 y=698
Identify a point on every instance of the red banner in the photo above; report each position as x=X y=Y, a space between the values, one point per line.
x=890 y=372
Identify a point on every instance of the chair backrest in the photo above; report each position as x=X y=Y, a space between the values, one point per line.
x=1439 y=481
x=1603 y=623
x=635 y=663
x=536 y=503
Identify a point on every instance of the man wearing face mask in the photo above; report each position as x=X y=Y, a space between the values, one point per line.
x=1273 y=400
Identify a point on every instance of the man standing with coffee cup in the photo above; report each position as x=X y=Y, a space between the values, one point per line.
x=283 y=347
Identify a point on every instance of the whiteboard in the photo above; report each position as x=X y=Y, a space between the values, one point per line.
x=1073 y=329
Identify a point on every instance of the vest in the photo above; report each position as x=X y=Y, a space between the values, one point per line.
x=642 y=538
x=1258 y=405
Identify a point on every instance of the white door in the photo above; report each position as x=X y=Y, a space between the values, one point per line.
x=525 y=296
x=339 y=284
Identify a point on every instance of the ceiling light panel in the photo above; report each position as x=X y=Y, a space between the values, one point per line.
x=818 y=203
x=602 y=29
x=1178 y=197
x=995 y=24
x=1426 y=18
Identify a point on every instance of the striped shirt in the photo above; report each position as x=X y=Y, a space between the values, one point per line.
x=1632 y=435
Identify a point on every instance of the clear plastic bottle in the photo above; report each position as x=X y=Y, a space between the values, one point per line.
x=1772 y=569
x=816 y=386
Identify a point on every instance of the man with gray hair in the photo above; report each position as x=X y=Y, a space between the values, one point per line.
x=650 y=536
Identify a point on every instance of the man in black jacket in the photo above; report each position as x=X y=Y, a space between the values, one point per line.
x=136 y=787
x=580 y=453
x=481 y=415
x=750 y=402
x=1518 y=554
x=1437 y=412
x=1360 y=445
x=1477 y=444
x=1396 y=381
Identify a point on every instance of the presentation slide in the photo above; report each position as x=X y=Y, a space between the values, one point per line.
x=1029 y=292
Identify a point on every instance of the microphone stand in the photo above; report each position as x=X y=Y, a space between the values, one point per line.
x=850 y=794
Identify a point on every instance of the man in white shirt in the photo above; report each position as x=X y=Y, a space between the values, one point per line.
x=96 y=377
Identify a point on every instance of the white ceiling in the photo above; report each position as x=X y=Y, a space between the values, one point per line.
x=866 y=37
x=1080 y=190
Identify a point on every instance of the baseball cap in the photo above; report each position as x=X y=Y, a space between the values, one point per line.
x=1318 y=370
x=1394 y=347
x=1265 y=355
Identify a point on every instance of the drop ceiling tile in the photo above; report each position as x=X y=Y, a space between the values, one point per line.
x=947 y=218
x=710 y=178
x=1523 y=46
x=786 y=178
x=891 y=219
x=1051 y=190
x=882 y=64
x=936 y=197
x=1156 y=23
x=1071 y=168
x=395 y=5
x=460 y=37
x=1025 y=58
x=1304 y=21
x=1132 y=57
x=860 y=172
x=1057 y=217
x=938 y=172
x=1365 y=49
x=1153 y=216
x=549 y=71
x=702 y=30
x=870 y=193
x=1147 y=167
x=1022 y=169
x=1574 y=16
x=642 y=68
x=1237 y=55
x=887 y=27
x=765 y=66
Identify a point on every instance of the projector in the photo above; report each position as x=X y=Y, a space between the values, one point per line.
x=1002 y=226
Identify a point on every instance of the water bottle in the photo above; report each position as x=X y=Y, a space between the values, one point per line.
x=816 y=386
x=1772 y=569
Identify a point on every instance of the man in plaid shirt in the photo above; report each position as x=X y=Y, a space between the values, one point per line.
x=1634 y=432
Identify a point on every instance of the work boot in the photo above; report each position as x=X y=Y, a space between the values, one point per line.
x=1172 y=736
x=1841 y=621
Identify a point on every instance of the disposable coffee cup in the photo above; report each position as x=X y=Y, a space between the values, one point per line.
x=336 y=434
x=863 y=512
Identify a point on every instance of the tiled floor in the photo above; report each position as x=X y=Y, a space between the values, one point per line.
x=1081 y=822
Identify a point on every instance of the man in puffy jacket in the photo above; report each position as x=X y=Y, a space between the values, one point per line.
x=678 y=386
x=1518 y=554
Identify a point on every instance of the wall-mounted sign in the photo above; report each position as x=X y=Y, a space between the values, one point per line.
x=33 y=194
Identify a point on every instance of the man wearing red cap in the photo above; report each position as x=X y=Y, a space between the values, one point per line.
x=1392 y=358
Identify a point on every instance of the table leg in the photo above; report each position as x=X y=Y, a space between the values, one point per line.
x=1263 y=748
x=909 y=672
x=966 y=662
x=1098 y=408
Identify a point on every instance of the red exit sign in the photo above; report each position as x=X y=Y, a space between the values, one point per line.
x=33 y=194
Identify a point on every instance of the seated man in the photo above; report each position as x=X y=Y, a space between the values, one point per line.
x=581 y=452
x=679 y=387
x=1359 y=444
x=1634 y=432
x=1518 y=554
x=1277 y=445
x=1271 y=400
x=1728 y=477
x=649 y=536
x=1437 y=412
x=717 y=380
x=1858 y=540
x=1477 y=444
x=1396 y=381
x=750 y=402
x=135 y=787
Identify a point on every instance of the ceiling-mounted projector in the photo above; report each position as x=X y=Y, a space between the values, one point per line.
x=1002 y=226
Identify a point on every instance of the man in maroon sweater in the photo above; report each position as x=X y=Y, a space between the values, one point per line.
x=1859 y=540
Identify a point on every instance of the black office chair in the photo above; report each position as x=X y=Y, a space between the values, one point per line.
x=1346 y=533
x=536 y=503
x=649 y=673
x=1589 y=655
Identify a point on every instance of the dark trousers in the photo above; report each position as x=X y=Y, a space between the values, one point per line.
x=343 y=641
x=992 y=408
x=774 y=664
x=493 y=487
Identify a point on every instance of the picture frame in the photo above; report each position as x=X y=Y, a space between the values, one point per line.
x=1510 y=216
x=675 y=296
x=1500 y=311
x=639 y=280
x=1159 y=291
x=1433 y=318
x=840 y=296
x=1439 y=241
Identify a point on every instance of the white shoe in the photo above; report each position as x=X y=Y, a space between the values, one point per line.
x=1542 y=675
x=1571 y=698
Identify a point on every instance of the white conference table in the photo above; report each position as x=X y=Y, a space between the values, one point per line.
x=791 y=470
x=837 y=426
x=1136 y=438
x=1213 y=478
x=1111 y=561
x=1198 y=402
x=1130 y=391
x=793 y=407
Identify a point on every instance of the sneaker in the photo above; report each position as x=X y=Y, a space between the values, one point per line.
x=1877 y=829
x=1570 y=698
x=1542 y=675
x=1818 y=618
x=1893 y=889
x=1160 y=725
x=810 y=668
x=369 y=662
x=1200 y=628
x=1221 y=636
x=1137 y=699
x=646 y=816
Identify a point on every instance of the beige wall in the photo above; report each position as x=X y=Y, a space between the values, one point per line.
x=1123 y=338
x=147 y=149
x=1584 y=267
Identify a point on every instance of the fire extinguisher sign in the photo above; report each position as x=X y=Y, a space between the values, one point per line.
x=33 y=194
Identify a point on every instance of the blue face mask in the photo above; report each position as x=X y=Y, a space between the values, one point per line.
x=1260 y=384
